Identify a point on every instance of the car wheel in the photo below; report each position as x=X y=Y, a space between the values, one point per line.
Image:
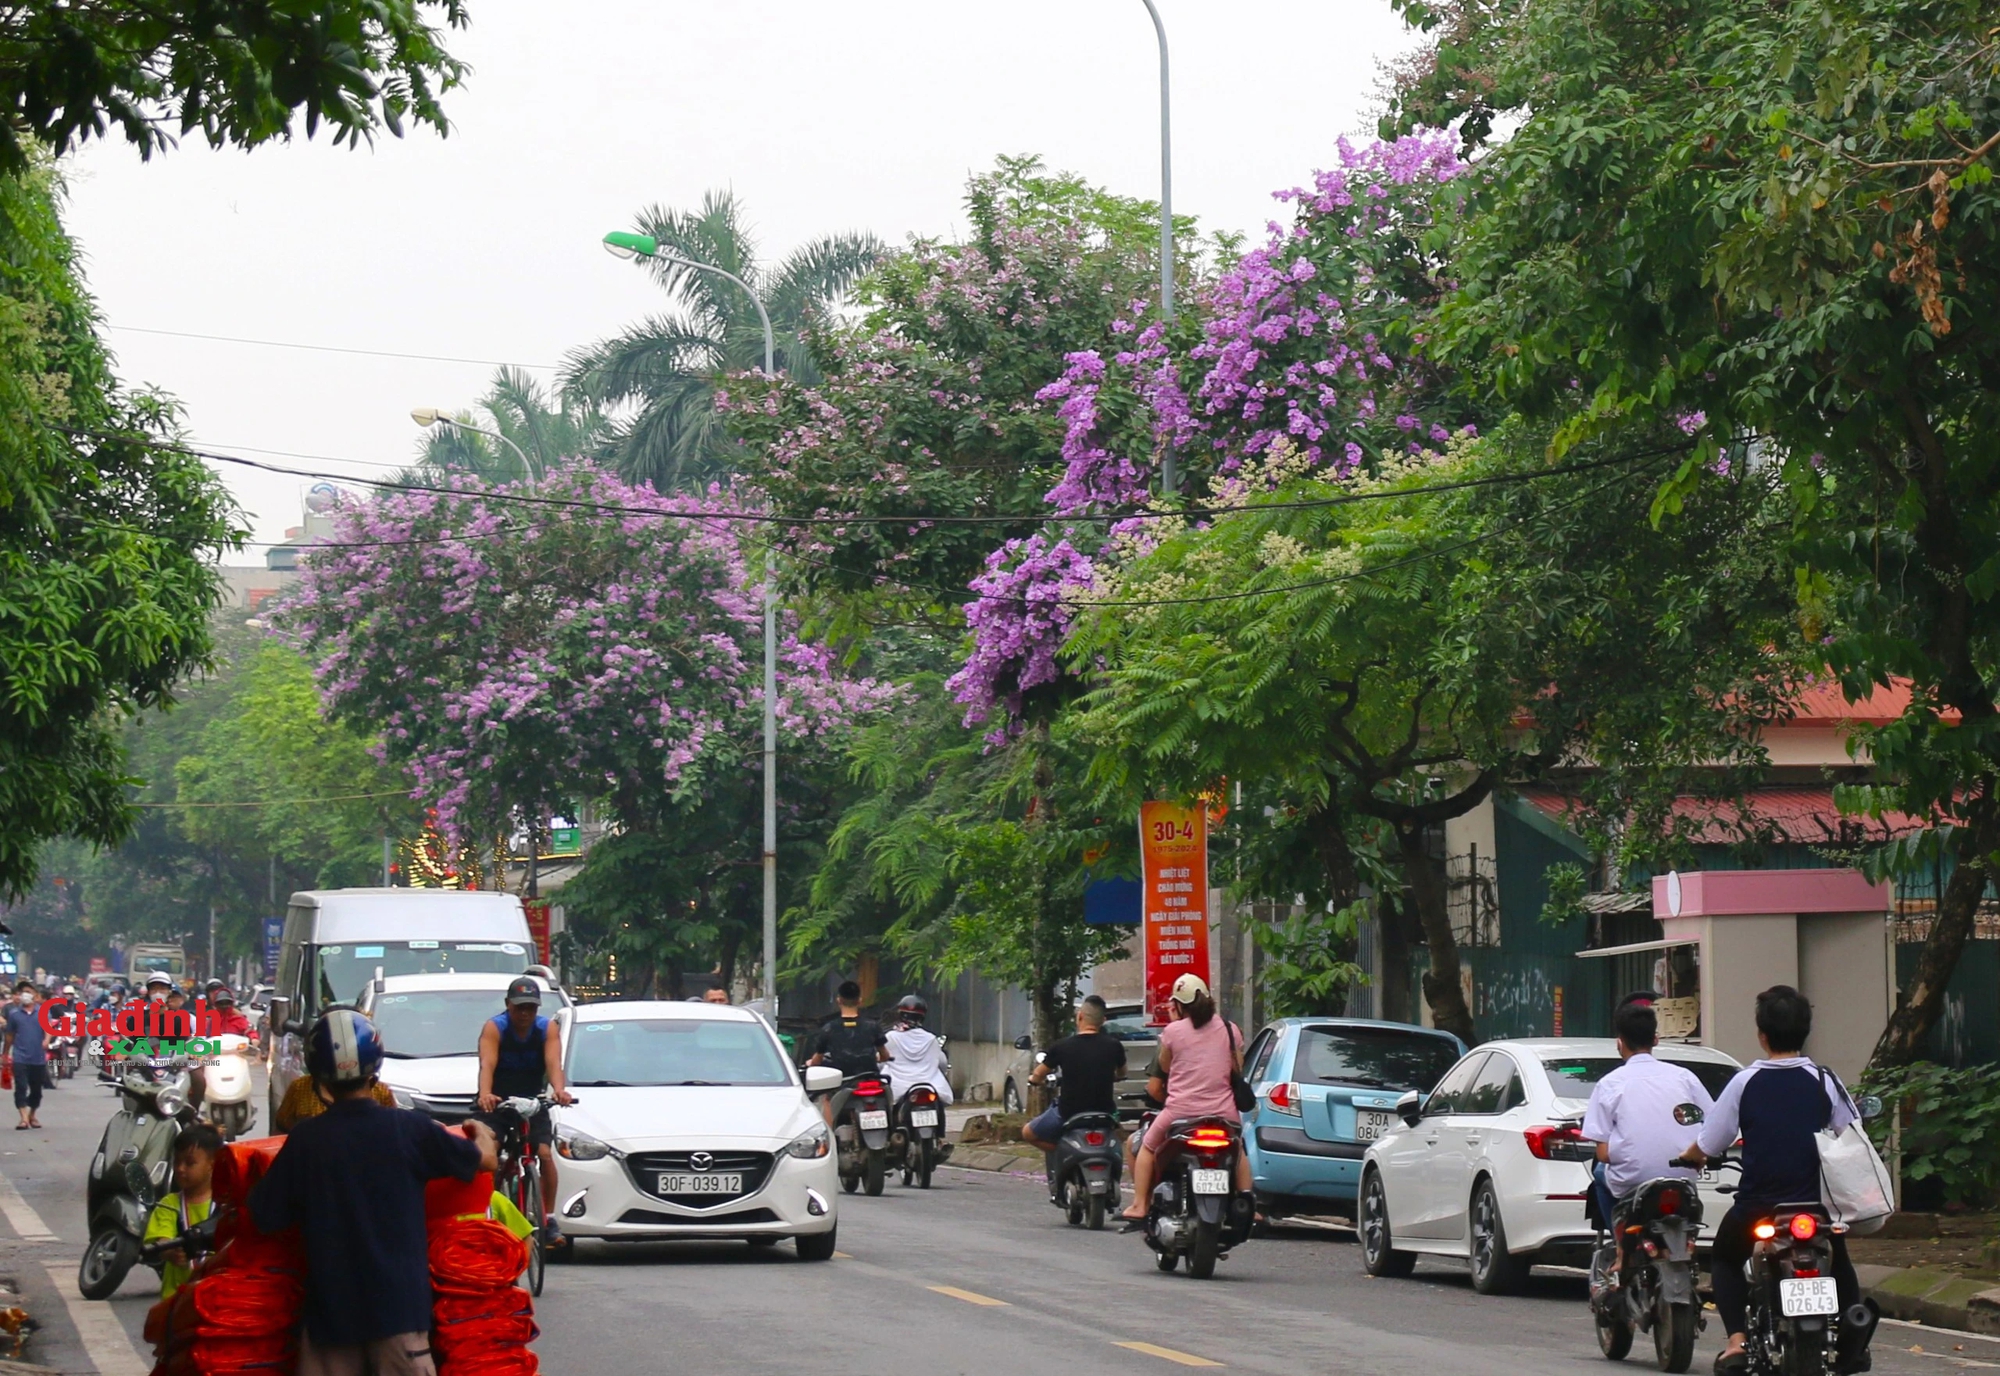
x=1379 y=1256
x=1495 y=1270
x=1010 y=1098
x=816 y=1246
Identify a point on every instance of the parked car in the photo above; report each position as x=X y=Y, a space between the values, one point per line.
x=691 y=1123
x=430 y=1026
x=1488 y=1166
x=1326 y=1089
x=1126 y=1022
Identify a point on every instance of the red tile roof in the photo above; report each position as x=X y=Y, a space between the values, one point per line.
x=1804 y=815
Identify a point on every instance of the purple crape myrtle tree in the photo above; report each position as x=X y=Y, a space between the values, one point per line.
x=525 y=648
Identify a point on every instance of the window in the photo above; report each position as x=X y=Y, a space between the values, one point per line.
x=1455 y=1086
x=434 y=1022
x=1373 y=1057
x=1497 y=1089
x=1258 y=1061
x=673 y=1051
x=1573 y=1077
x=344 y=970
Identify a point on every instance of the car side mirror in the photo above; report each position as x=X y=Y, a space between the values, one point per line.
x=1870 y=1105
x=822 y=1079
x=1024 y=1042
x=1410 y=1108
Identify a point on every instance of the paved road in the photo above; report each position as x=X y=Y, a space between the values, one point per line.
x=978 y=1275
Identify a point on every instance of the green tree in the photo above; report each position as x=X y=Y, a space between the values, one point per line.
x=545 y=429
x=108 y=537
x=659 y=377
x=1773 y=222
x=238 y=73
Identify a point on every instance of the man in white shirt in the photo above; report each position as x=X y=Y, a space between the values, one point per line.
x=1640 y=1113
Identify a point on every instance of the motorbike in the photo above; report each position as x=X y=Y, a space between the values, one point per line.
x=1196 y=1210
x=226 y=1095
x=861 y=1136
x=133 y=1163
x=916 y=1143
x=1652 y=1238
x=1085 y=1169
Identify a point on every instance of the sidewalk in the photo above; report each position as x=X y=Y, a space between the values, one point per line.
x=1941 y=1299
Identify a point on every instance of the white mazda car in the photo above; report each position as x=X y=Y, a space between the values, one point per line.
x=690 y=1122
x=1491 y=1166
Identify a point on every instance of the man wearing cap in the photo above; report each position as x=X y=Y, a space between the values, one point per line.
x=520 y=1054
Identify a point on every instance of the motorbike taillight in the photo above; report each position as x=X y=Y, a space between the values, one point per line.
x=1669 y=1201
x=1208 y=1140
x=1093 y=1139
x=868 y=1088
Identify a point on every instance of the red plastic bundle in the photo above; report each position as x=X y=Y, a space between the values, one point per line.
x=481 y=1321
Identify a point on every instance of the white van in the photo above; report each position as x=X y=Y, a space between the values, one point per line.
x=338 y=940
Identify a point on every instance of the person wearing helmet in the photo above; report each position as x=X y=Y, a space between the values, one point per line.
x=229 y=1019
x=520 y=1055
x=1198 y=1053
x=916 y=1054
x=351 y=1180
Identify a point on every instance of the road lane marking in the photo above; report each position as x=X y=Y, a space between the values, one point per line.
x=1184 y=1358
x=97 y=1326
x=968 y=1296
x=21 y=1216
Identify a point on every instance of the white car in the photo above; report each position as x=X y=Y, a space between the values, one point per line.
x=1490 y=1165
x=430 y=1028
x=691 y=1122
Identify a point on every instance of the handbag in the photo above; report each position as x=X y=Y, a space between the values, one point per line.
x=1239 y=1088
x=1854 y=1185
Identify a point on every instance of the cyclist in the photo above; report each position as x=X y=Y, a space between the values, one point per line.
x=520 y=1055
x=352 y=1181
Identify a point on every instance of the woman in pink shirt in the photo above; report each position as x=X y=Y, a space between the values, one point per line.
x=1198 y=1053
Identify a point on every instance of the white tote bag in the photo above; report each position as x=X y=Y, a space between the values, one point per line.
x=1853 y=1183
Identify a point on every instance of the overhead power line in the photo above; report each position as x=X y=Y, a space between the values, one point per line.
x=287 y=802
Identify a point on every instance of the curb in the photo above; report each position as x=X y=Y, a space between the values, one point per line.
x=996 y=1159
x=1940 y=1299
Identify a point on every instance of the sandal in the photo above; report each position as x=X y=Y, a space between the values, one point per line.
x=1731 y=1363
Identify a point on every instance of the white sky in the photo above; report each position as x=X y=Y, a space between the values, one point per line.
x=867 y=114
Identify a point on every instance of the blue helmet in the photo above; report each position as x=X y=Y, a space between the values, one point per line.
x=343 y=1048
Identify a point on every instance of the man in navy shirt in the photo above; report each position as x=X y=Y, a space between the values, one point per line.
x=28 y=1048
x=352 y=1181
x=1776 y=1105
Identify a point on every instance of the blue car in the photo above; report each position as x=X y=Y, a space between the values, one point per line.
x=1326 y=1089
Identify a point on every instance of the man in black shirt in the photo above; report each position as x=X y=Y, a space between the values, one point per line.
x=1091 y=1063
x=848 y=1042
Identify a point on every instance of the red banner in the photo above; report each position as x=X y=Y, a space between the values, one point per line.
x=1173 y=855
x=537 y=910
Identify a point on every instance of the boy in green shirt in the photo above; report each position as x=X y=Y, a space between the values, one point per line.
x=195 y=1150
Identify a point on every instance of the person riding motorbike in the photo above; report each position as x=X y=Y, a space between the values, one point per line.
x=1776 y=1105
x=229 y=1018
x=352 y=1181
x=916 y=1054
x=1091 y=1064
x=848 y=1042
x=520 y=1055
x=1638 y=1116
x=1198 y=1054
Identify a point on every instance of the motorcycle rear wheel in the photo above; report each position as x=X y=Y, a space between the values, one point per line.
x=1614 y=1338
x=926 y=1163
x=850 y=1183
x=1673 y=1336
x=1167 y=1261
x=1072 y=1203
x=111 y=1255
x=1094 y=1213
x=1803 y=1355
x=1207 y=1246
x=873 y=1169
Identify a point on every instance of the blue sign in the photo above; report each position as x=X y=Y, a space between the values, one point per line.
x=274 y=938
x=1111 y=902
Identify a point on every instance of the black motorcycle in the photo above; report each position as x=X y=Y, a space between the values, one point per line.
x=131 y=1169
x=861 y=1135
x=1196 y=1210
x=1085 y=1168
x=1652 y=1238
x=916 y=1143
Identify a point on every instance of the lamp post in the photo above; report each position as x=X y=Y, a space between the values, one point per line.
x=1169 y=478
x=637 y=246
x=427 y=416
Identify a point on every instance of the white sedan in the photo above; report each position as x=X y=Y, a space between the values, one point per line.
x=691 y=1123
x=1490 y=1165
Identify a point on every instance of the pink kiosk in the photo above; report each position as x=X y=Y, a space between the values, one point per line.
x=1824 y=931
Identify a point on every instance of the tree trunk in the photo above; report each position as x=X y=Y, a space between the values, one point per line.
x=725 y=966
x=1394 y=976
x=1442 y=989
x=1905 y=1038
x=1343 y=881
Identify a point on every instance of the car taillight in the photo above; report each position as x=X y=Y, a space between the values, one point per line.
x=1765 y=1231
x=1669 y=1201
x=1542 y=1140
x=1093 y=1139
x=868 y=1087
x=1208 y=1139
x=1284 y=1098
x=1804 y=1227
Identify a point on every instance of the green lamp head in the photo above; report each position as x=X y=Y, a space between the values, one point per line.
x=622 y=245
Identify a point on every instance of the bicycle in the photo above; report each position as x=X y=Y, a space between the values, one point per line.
x=518 y=1176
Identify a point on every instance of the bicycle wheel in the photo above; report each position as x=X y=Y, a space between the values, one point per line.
x=528 y=1192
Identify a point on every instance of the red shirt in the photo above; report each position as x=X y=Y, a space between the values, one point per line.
x=231 y=1020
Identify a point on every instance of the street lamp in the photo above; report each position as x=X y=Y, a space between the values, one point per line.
x=636 y=246
x=1169 y=479
x=427 y=416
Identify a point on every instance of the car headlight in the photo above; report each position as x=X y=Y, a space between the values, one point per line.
x=811 y=1144
x=581 y=1146
x=403 y=1097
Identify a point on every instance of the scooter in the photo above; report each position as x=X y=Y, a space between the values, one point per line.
x=1196 y=1210
x=917 y=1143
x=1652 y=1238
x=1085 y=1168
x=130 y=1170
x=226 y=1094
x=862 y=1135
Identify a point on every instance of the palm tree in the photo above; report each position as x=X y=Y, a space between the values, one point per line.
x=662 y=371
x=546 y=426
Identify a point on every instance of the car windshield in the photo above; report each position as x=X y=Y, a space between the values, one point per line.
x=674 y=1051
x=434 y=1022
x=344 y=971
x=1130 y=1026
x=1573 y=1076
x=1378 y=1057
